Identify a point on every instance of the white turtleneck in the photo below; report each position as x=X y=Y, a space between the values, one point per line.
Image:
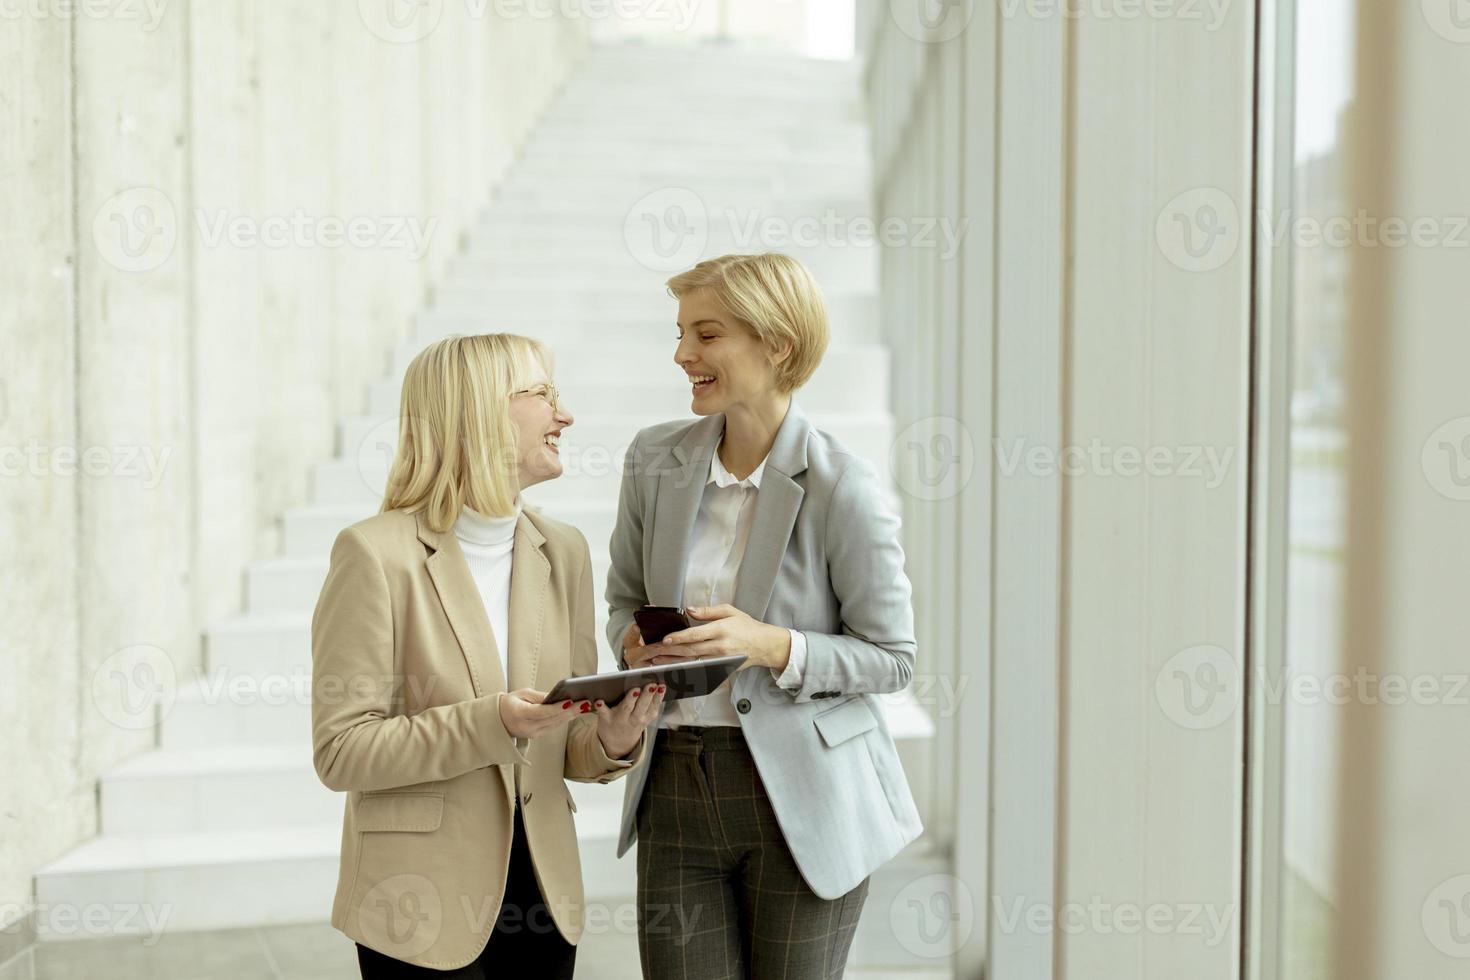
x=487 y=543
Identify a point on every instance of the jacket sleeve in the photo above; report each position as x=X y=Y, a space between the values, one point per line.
x=625 y=590
x=587 y=761
x=875 y=652
x=359 y=743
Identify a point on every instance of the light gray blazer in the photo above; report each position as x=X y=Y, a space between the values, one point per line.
x=823 y=557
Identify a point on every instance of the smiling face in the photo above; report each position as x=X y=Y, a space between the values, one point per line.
x=725 y=361
x=538 y=428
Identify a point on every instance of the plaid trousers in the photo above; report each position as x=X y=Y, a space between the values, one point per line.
x=719 y=894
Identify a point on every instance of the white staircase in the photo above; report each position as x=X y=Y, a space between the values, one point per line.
x=225 y=824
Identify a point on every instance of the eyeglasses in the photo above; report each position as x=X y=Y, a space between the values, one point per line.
x=546 y=391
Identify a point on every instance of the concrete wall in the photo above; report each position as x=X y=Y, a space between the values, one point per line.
x=155 y=325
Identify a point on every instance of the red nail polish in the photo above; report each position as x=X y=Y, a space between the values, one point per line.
x=635 y=694
x=565 y=705
x=586 y=707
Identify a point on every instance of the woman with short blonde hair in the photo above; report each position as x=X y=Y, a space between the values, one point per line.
x=443 y=621
x=768 y=803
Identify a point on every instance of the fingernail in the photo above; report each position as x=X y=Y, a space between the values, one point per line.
x=635 y=692
x=586 y=707
x=565 y=705
x=600 y=703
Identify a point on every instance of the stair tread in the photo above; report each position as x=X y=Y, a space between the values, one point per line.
x=221 y=758
x=138 y=852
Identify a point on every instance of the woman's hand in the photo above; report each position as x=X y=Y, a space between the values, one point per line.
x=727 y=631
x=635 y=652
x=526 y=715
x=620 y=728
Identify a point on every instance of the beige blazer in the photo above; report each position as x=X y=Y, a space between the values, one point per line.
x=406 y=688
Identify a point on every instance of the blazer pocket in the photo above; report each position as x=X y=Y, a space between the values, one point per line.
x=400 y=811
x=841 y=723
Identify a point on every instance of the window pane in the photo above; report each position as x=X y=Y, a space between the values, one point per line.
x=1318 y=488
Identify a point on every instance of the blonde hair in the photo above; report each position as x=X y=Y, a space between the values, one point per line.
x=456 y=443
x=776 y=297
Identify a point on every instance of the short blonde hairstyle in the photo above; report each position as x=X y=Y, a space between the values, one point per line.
x=776 y=297
x=456 y=443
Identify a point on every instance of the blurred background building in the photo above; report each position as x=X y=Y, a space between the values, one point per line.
x=1152 y=315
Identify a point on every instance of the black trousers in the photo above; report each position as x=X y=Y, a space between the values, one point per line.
x=525 y=940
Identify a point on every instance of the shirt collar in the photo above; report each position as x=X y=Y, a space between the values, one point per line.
x=722 y=477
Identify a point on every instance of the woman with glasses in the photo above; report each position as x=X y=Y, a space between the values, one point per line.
x=443 y=621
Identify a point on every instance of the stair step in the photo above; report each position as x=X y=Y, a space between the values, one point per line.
x=679 y=166
x=310 y=531
x=186 y=880
x=746 y=209
x=278 y=585
x=272 y=651
x=216 y=787
x=604 y=379
x=592 y=456
x=837 y=266
x=562 y=324
x=222 y=708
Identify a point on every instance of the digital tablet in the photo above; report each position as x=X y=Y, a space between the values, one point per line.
x=688 y=680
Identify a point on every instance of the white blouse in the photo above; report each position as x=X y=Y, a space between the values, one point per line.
x=721 y=532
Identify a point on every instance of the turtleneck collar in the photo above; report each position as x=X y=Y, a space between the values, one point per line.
x=476 y=528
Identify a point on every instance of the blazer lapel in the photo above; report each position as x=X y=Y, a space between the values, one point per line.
x=530 y=571
x=463 y=608
x=776 y=505
x=680 y=490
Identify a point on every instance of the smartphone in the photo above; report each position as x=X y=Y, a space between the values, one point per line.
x=657 y=622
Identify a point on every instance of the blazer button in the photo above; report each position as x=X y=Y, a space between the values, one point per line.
x=743 y=706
